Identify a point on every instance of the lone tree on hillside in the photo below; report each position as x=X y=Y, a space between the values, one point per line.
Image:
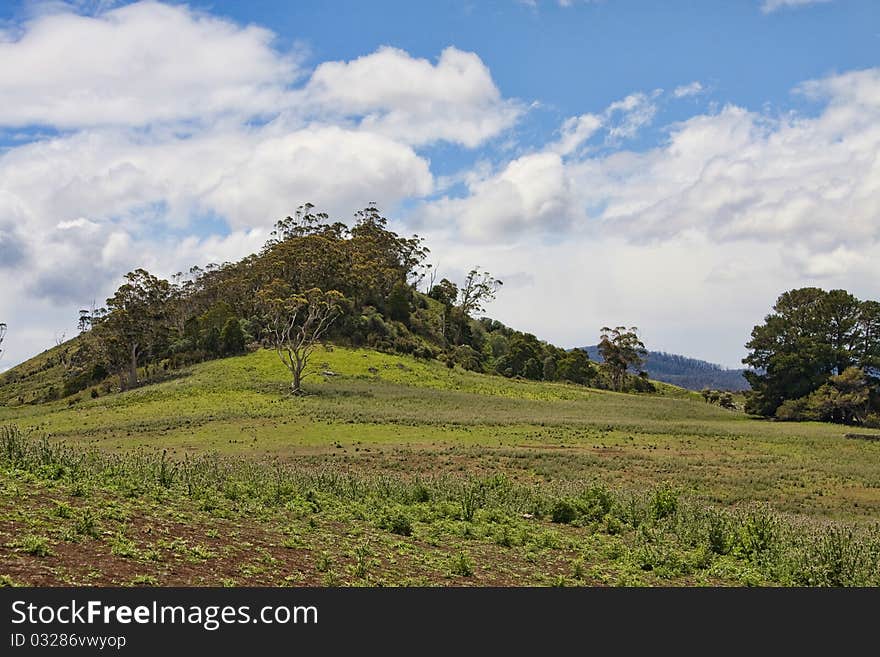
x=2 y=335
x=620 y=349
x=296 y=323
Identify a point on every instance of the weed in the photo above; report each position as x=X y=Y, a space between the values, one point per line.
x=664 y=502
x=86 y=524
x=36 y=546
x=461 y=565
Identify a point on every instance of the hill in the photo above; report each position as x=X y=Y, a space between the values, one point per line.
x=399 y=470
x=313 y=280
x=690 y=373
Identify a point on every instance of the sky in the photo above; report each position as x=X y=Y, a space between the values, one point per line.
x=673 y=166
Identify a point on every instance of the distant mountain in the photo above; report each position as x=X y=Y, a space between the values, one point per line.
x=686 y=372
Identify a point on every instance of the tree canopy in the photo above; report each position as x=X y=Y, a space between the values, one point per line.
x=813 y=340
x=621 y=349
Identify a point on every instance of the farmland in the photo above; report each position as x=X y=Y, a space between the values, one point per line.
x=398 y=471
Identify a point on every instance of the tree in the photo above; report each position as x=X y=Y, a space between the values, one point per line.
x=621 y=349
x=575 y=367
x=532 y=369
x=399 y=302
x=232 y=337
x=810 y=336
x=2 y=335
x=549 y=368
x=479 y=288
x=84 y=323
x=297 y=322
x=845 y=398
x=132 y=324
x=523 y=348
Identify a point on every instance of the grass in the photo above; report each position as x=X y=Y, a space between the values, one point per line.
x=226 y=519
x=399 y=471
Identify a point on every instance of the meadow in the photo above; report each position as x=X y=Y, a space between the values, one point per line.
x=397 y=471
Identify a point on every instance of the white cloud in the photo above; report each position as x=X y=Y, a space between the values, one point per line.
x=769 y=6
x=114 y=194
x=394 y=94
x=691 y=240
x=575 y=131
x=531 y=193
x=135 y=65
x=692 y=89
x=626 y=117
x=152 y=106
x=733 y=175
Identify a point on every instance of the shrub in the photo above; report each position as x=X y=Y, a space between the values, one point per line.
x=835 y=559
x=471 y=499
x=664 y=502
x=397 y=522
x=85 y=524
x=718 y=532
x=563 y=512
x=462 y=566
x=595 y=503
x=758 y=533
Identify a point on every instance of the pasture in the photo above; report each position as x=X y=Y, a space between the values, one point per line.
x=396 y=471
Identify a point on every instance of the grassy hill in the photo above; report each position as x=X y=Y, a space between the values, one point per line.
x=29 y=382
x=395 y=470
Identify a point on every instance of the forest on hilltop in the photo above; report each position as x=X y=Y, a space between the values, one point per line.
x=317 y=279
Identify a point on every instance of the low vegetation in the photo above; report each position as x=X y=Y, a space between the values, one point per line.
x=394 y=470
x=138 y=518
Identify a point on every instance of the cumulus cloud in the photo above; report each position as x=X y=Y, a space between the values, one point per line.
x=732 y=175
x=540 y=191
x=769 y=6
x=113 y=191
x=135 y=65
x=392 y=93
x=731 y=206
x=139 y=122
x=531 y=193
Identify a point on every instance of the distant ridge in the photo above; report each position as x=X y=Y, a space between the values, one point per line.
x=690 y=373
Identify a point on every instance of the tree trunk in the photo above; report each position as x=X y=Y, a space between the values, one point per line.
x=133 y=368
x=295 y=387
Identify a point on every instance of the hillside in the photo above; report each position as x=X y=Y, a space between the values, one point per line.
x=397 y=470
x=690 y=373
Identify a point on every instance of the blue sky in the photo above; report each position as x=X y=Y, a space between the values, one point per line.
x=672 y=165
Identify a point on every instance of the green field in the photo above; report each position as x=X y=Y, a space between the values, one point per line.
x=394 y=470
